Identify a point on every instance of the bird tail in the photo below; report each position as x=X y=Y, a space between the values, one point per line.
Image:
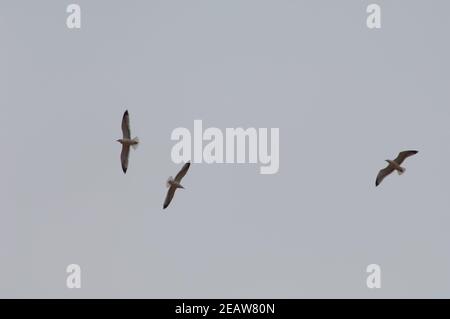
x=401 y=171
x=169 y=180
x=136 y=144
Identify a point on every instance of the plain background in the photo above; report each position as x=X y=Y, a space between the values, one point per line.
x=344 y=97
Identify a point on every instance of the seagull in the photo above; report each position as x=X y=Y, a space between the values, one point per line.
x=173 y=184
x=394 y=166
x=126 y=141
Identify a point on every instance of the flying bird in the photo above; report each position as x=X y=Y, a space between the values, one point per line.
x=394 y=166
x=126 y=141
x=173 y=184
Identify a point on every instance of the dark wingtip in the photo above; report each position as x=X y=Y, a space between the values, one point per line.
x=165 y=206
x=126 y=112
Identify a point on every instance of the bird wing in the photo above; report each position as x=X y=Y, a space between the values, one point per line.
x=182 y=172
x=383 y=173
x=403 y=155
x=126 y=125
x=124 y=157
x=169 y=196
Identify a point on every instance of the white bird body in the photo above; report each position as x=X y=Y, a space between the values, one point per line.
x=400 y=170
x=171 y=182
x=129 y=142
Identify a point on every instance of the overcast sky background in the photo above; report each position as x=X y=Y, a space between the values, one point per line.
x=344 y=97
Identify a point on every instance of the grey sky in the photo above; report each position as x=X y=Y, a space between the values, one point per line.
x=344 y=97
